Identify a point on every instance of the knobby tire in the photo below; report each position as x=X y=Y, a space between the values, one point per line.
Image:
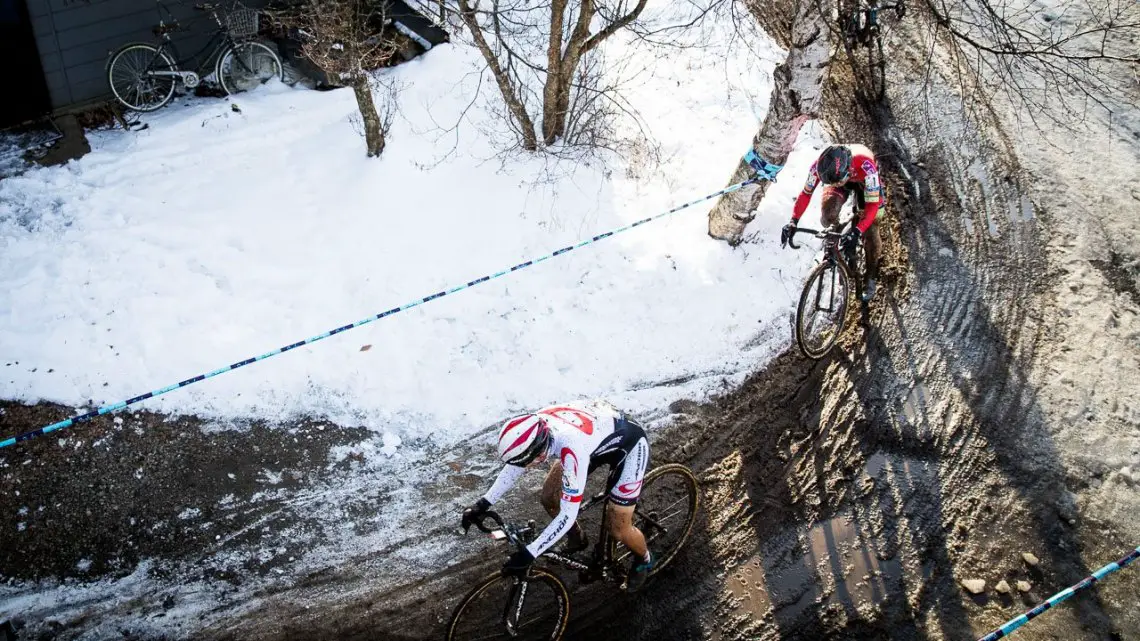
x=808 y=297
x=538 y=577
x=692 y=500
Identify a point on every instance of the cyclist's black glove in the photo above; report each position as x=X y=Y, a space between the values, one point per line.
x=787 y=232
x=471 y=515
x=518 y=563
x=850 y=240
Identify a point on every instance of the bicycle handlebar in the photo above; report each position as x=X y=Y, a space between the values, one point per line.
x=164 y=27
x=489 y=514
x=515 y=535
x=818 y=233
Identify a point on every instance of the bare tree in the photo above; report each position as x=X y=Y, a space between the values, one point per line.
x=1033 y=53
x=345 y=40
x=796 y=98
x=512 y=35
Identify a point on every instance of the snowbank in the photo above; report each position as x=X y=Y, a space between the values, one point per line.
x=216 y=235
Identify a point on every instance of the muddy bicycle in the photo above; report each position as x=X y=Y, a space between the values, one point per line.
x=862 y=25
x=827 y=291
x=538 y=605
x=143 y=76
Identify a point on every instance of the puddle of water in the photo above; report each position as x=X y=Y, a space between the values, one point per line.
x=914 y=405
x=875 y=465
x=1020 y=210
x=838 y=563
x=851 y=565
x=747 y=582
x=1027 y=211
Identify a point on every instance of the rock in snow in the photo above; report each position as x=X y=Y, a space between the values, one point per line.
x=974 y=586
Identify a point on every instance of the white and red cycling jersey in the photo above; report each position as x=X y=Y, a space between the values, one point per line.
x=584 y=435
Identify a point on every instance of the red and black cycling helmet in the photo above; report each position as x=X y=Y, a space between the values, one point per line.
x=834 y=165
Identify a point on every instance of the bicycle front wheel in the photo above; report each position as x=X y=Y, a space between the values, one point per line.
x=131 y=74
x=248 y=65
x=822 y=311
x=665 y=514
x=534 y=609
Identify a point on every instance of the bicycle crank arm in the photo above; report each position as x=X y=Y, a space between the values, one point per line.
x=189 y=78
x=651 y=519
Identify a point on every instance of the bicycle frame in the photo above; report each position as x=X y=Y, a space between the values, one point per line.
x=599 y=562
x=219 y=40
x=832 y=255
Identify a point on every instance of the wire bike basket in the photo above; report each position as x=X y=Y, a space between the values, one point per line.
x=241 y=22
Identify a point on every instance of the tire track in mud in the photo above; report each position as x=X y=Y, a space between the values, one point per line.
x=920 y=460
x=843 y=499
x=846 y=499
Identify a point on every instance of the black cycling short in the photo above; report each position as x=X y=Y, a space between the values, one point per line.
x=626 y=453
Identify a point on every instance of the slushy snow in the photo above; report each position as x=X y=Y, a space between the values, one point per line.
x=216 y=235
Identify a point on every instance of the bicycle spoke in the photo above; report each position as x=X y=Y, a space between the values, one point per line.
x=657 y=522
x=529 y=610
x=667 y=507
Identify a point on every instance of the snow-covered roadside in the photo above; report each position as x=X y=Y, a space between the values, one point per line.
x=215 y=235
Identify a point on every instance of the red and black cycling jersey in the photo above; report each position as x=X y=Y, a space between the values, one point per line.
x=863 y=176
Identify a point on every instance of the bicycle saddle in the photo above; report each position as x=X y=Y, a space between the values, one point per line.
x=162 y=28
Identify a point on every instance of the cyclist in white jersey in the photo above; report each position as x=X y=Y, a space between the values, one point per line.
x=577 y=438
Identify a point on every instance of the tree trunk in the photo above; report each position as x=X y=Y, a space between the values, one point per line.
x=555 y=107
x=561 y=68
x=796 y=98
x=551 y=127
x=518 y=112
x=556 y=92
x=373 y=132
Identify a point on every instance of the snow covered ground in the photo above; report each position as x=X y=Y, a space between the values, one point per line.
x=218 y=234
x=215 y=235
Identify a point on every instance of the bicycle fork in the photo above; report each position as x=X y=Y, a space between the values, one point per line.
x=513 y=612
x=831 y=290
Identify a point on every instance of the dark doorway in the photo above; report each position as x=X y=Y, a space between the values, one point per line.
x=22 y=61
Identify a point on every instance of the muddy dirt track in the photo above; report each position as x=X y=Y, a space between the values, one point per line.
x=982 y=413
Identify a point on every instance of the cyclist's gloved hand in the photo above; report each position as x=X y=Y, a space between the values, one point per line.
x=787 y=232
x=850 y=239
x=471 y=515
x=518 y=563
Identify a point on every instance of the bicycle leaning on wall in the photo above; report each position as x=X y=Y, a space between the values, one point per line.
x=143 y=76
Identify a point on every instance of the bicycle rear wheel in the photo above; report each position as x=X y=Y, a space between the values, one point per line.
x=665 y=514
x=535 y=609
x=822 y=311
x=248 y=65
x=130 y=77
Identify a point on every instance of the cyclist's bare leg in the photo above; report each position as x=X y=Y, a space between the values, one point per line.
x=550 y=497
x=831 y=204
x=620 y=519
x=872 y=248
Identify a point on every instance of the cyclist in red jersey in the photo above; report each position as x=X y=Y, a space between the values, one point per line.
x=845 y=170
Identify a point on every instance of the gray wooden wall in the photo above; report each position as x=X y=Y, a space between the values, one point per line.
x=75 y=38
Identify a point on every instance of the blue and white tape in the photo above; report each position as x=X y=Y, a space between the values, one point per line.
x=1016 y=623
x=768 y=174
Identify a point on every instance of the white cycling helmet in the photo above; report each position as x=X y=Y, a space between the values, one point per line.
x=523 y=439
